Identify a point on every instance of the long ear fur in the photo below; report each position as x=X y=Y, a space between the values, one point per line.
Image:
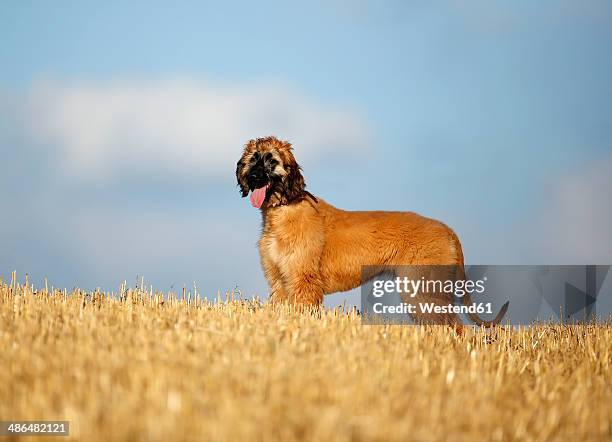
x=294 y=181
x=241 y=179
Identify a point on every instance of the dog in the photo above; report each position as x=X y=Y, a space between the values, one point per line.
x=309 y=248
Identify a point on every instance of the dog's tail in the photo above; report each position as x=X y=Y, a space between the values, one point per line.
x=467 y=301
x=478 y=321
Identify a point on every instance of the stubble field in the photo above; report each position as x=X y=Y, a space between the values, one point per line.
x=142 y=365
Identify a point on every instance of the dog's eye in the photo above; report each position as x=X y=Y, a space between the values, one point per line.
x=267 y=156
x=273 y=164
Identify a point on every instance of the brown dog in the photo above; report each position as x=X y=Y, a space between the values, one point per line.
x=309 y=248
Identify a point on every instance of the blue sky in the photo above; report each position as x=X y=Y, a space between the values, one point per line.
x=120 y=125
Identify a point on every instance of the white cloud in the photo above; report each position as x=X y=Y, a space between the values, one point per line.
x=179 y=127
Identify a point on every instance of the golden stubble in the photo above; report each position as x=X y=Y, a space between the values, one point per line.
x=143 y=365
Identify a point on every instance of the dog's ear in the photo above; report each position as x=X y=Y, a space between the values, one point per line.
x=241 y=178
x=294 y=181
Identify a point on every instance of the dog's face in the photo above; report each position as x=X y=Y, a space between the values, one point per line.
x=269 y=171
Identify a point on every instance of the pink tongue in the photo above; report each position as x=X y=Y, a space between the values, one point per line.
x=258 y=196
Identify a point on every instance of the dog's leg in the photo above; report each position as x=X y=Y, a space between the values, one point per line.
x=296 y=247
x=301 y=267
x=305 y=288
x=302 y=288
x=435 y=297
x=275 y=282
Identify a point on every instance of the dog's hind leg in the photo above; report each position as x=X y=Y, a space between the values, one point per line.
x=430 y=293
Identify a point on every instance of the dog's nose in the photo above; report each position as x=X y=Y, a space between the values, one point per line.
x=255 y=175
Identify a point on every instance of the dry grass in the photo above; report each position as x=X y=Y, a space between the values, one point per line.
x=138 y=368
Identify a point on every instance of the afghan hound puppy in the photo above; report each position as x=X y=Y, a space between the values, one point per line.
x=309 y=248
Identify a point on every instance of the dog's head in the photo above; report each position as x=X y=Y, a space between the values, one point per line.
x=267 y=169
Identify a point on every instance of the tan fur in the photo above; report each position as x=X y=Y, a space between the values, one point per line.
x=310 y=248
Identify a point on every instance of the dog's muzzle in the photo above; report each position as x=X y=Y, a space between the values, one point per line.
x=257 y=177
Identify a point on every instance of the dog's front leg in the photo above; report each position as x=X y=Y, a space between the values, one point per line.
x=302 y=288
x=301 y=263
x=305 y=288
x=275 y=282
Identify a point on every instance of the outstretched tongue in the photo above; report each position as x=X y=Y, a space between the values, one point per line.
x=258 y=196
